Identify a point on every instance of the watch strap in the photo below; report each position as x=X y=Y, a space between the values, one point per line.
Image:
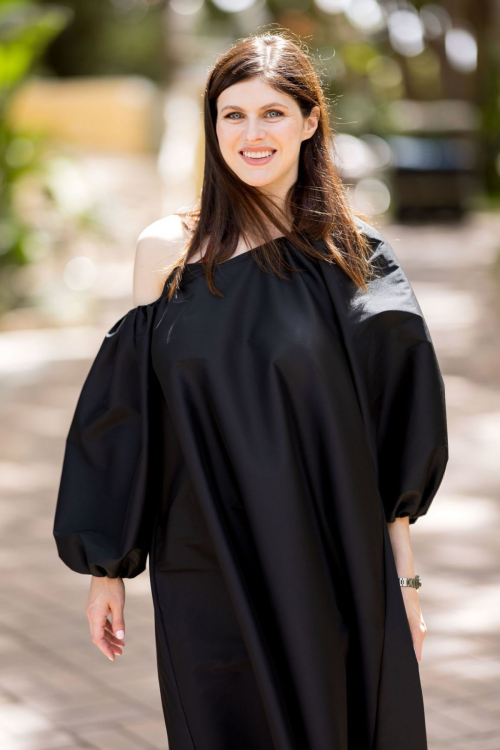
x=414 y=582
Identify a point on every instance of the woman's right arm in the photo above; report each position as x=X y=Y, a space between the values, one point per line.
x=159 y=245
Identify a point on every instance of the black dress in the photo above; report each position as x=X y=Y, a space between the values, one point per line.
x=255 y=445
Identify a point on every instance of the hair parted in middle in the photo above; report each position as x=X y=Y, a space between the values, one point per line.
x=316 y=205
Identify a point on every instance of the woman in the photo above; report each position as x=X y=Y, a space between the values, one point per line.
x=266 y=425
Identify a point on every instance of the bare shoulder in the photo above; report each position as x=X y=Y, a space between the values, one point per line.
x=158 y=247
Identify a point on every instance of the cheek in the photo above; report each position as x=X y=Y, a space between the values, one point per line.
x=226 y=138
x=289 y=137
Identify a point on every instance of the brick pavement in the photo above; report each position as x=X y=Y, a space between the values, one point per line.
x=456 y=544
x=58 y=691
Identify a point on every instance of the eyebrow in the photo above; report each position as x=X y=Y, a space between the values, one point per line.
x=266 y=106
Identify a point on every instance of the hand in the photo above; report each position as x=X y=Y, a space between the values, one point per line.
x=106 y=596
x=415 y=619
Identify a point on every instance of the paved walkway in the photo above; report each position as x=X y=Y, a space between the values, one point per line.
x=58 y=691
x=456 y=544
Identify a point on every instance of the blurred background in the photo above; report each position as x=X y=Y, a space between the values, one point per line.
x=100 y=135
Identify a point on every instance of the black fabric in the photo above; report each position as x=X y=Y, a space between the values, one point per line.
x=110 y=470
x=256 y=445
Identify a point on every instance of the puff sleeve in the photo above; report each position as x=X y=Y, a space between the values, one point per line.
x=109 y=481
x=398 y=381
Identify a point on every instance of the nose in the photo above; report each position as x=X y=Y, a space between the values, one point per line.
x=254 y=132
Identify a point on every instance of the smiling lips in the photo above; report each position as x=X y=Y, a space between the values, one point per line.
x=257 y=157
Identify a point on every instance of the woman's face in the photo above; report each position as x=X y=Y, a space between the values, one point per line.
x=255 y=119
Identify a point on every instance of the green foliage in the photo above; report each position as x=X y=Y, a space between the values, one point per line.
x=109 y=38
x=25 y=32
x=358 y=56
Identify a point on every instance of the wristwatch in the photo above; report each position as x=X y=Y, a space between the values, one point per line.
x=415 y=582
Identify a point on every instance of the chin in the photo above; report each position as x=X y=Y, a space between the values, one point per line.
x=257 y=180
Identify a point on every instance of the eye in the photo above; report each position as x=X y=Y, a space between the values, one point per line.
x=277 y=111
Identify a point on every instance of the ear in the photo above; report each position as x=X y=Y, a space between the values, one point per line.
x=311 y=123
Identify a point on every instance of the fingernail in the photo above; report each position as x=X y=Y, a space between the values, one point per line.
x=120 y=633
x=110 y=658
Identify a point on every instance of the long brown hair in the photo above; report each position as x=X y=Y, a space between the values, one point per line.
x=316 y=204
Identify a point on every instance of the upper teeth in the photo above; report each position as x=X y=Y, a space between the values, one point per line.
x=257 y=154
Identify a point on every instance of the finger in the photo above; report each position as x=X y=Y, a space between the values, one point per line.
x=97 y=632
x=115 y=643
x=109 y=630
x=117 y=650
x=97 y=624
x=107 y=649
x=118 y=620
x=115 y=647
x=112 y=637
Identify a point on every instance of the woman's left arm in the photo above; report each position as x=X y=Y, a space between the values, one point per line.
x=399 y=533
x=402 y=398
